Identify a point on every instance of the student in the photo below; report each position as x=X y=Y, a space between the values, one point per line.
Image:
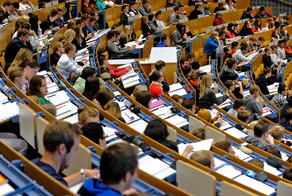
x=179 y=35
x=212 y=44
x=87 y=115
x=95 y=133
x=104 y=96
x=144 y=97
x=238 y=105
x=207 y=96
x=195 y=81
x=152 y=23
x=234 y=47
x=22 y=56
x=160 y=66
x=243 y=115
x=21 y=41
x=274 y=57
x=280 y=99
x=91 y=88
x=66 y=63
x=240 y=54
x=127 y=35
x=197 y=11
x=114 y=110
x=254 y=103
x=230 y=67
x=159 y=22
x=118 y=171
x=261 y=13
x=61 y=140
x=31 y=67
x=283 y=33
x=247 y=14
x=287 y=48
x=87 y=7
x=246 y=29
x=58 y=50
x=206 y=115
x=38 y=87
x=174 y=17
x=165 y=39
x=219 y=8
x=80 y=82
x=204 y=157
x=280 y=50
x=145 y=9
x=286 y=122
x=146 y=29
x=277 y=132
x=261 y=136
x=225 y=146
x=257 y=27
x=124 y=15
x=79 y=39
x=229 y=5
x=138 y=89
x=218 y=19
x=262 y=80
x=49 y=22
x=133 y=11
x=190 y=105
x=178 y=98
x=156 y=87
x=199 y=133
x=96 y=26
x=17 y=76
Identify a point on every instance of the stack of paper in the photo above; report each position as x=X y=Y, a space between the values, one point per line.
x=235 y=133
x=218 y=163
x=72 y=119
x=229 y=171
x=227 y=102
x=139 y=125
x=201 y=145
x=109 y=132
x=177 y=121
x=11 y=110
x=266 y=111
x=65 y=110
x=3 y=98
x=58 y=98
x=205 y=69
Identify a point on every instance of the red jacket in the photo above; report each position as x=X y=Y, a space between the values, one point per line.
x=287 y=49
x=117 y=72
x=155 y=89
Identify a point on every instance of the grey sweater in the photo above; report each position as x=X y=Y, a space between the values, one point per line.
x=254 y=107
x=115 y=51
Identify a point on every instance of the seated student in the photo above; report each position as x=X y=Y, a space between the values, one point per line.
x=190 y=57
x=113 y=49
x=58 y=50
x=88 y=7
x=61 y=140
x=80 y=82
x=118 y=171
x=257 y=163
x=280 y=99
x=239 y=55
x=190 y=105
x=152 y=23
x=104 y=96
x=257 y=26
x=7 y=7
x=206 y=11
x=144 y=97
x=280 y=50
x=267 y=61
x=68 y=16
x=52 y=109
x=283 y=33
x=277 y=132
x=124 y=15
x=21 y=41
x=87 y=115
x=91 y=88
x=49 y=22
x=159 y=22
x=230 y=85
x=219 y=8
x=133 y=11
x=156 y=87
x=95 y=133
x=17 y=76
x=274 y=57
x=287 y=48
x=165 y=39
x=177 y=98
x=204 y=157
x=127 y=35
x=179 y=35
x=230 y=66
x=174 y=17
x=38 y=87
x=262 y=80
x=79 y=39
x=138 y=89
x=160 y=66
x=31 y=67
x=218 y=19
x=259 y=43
x=238 y=105
x=261 y=136
x=206 y=115
x=96 y=26
x=212 y=44
x=207 y=96
x=234 y=47
x=243 y=115
x=254 y=103
x=145 y=27
x=225 y=146
x=114 y=110
x=199 y=133
x=274 y=151
x=66 y=63
x=88 y=29
x=229 y=5
x=145 y=9
x=288 y=174
x=284 y=21
x=247 y=14
x=197 y=11
x=286 y=120
x=246 y=29
x=109 y=4
x=286 y=106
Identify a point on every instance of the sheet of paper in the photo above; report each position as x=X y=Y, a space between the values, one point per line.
x=139 y=125
x=162 y=111
x=11 y=110
x=218 y=163
x=229 y=171
x=271 y=169
x=235 y=133
x=65 y=110
x=174 y=87
x=240 y=154
x=121 y=61
x=176 y=120
x=201 y=145
x=147 y=164
x=156 y=103
x=58 y=98
x=180 y=92
x=257 y=185
x=129 y=116
x=129 y=84
x=165 y=173
x=72 y=119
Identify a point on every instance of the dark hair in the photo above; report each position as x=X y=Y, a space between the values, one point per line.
x=200 y=133
x=133 y=3
x=238 y=103
x=116 y=161
x=267 y=70
x=228 y=84
x=104 y=95
x=157 y=130
x=249 y=9
x=91 y=87
x=175 y=8
x=188 y=103
x=288 y=173
x=155 y=76
x=101 y=59
x=22 y=32
x=234 y=44
x=170 y=144
x=111 y=34
x=100 y=51
x=274 y=151
x=35 y=85
x=26 y=25
x=7 y=3
x=54 y=12
x=93 y=131
x=189 y=56
x=87 y=72
x=288 y=114
x=164 y=37
x=243 y=46
x=230 y=62
x=243 y=115
x=124 y=7
x=197 y=6
x=260 y=128
x=33 y=20
x=281 y=88
x=223 y=145
x=262 y=8
x=229 y=27
x=157 y=13
x=31 y=63
x=232 y=76
x=15 y=5
x=186 y=70
x=144 y=98
x=150 y=17
x=159 y=64
x=181 y=27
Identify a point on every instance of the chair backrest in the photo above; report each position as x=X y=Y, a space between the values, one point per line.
x=283 y=189
x=172 y=134
x=195 y=124
x=212 y=133
x=41 y=126
x=232 y=189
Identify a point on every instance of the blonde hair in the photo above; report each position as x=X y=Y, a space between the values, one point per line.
x=138 y=89
x=56 y=45
x=51 y=108
x=113 y=109
x=203 y=157
x=84 y=112
x=35 y=99
x=69 y=35
x=22 y=55
x=16 y=72
x=214 y=34
x=124 y=33
x=253 y=123
x=205 y=84
x=205 y=114
x=277 y=132
x=63 y=8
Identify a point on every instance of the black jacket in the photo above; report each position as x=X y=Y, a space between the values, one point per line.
x=124 y=19
x=47 y=24
x=225 y=76
x=267 y=61
x=245 y=15
x=258 y=15
x=262 y=82
x=81 y=45
x=54 y=58
x=209 y=99
x=194 y=14
x=246 y=31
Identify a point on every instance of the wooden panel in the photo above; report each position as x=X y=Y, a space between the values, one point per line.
x=41 y=125
x=283 y=189
x=212 y=133
x=43 y=13
x=27 y=123
x=195 y=124
x=147 y=47
x=172 y=134
x=231 y=189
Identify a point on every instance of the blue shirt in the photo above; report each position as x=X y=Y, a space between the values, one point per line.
x=161 y=44
x=210 y=46
x=93 y=187
x=49 y=170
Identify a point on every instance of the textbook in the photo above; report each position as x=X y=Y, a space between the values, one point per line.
x=201 y=145
x=58 y=98
x=139 y=125
x=266 y=111
x=156 y=103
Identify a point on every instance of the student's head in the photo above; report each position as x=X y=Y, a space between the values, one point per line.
x=145 y=20
x=157 y=130
x=104 y=95
x=205 y=84
x=274 y=49
x=249 y=10
x=157 y=76
x=268 y=72
x=118 y=165
x=181 y=27
x=151 y=17
x=257 y=163
x=101 y=52
x=190 y=105
x=198 y=7
x=252 y=41
x=199 y=133
x=243 y=115
x=231 y=63
x=91 y=88
x=262 y=10
x=70 y=50
x=214 y=34
x=234 y=45
x=94 y=132
x=165 y=38
x=176 y=9
x=254 y=91
x=138 y=89
x=239 y=104
x=288 y=174
x=7 y=5
x=268 y=51
x=204 y=157
x=283 y=90
x=58 y=47
x=133 y=5
x=178 y=98
x=113 y=109
x=205 y=114
x=69 y=35
x=62 y=140
x=160 y=66
x=87 y=72
x=22 y=35
x=218 y=15
x=145 y=3
x=190 y=57
x=38 y=86
x=144 y=98
x=226 y=146
x=187 y=70
x=277 y=132
x=51 y=108
x=31 y=67
x=17 y=76
x=158 y=16
x=288 y=114
x=196 y=68
x=260 y=41
x=274 y=151
x=111 y=35
x=229 y=85
x=261 y=129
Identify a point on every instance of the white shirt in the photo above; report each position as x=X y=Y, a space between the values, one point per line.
x=23 y=7
x=227 y=7
x=160 y=23
x=109 y=3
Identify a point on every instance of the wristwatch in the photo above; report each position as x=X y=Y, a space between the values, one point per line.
x=82 y=173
